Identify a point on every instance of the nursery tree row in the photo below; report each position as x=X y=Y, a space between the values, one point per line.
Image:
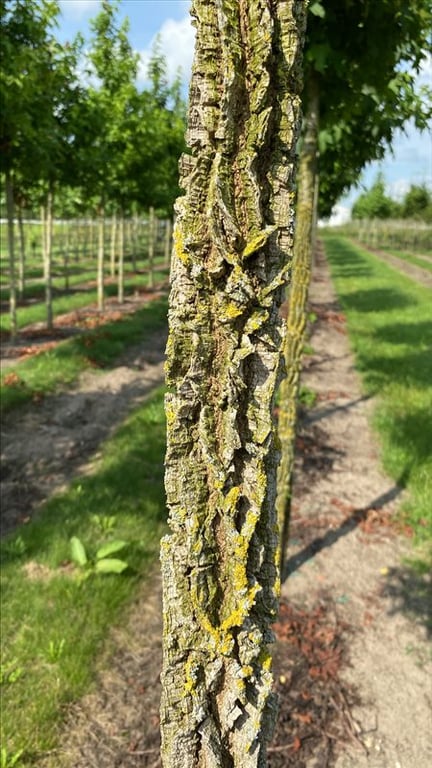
x=77 y=135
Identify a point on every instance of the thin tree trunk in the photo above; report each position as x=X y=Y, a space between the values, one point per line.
x=168 y=243
x=232 y=242
x=134 y=241
x=48 y=227
x=113 y=244
x=297 y=311
x=22 y=254
x=120 y=262
x=66 y=245
x=11 y=248
x=43 y=217
x=101 y=257
x=151 y=242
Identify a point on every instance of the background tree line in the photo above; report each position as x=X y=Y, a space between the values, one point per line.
x=374 y=203
x=77 y=135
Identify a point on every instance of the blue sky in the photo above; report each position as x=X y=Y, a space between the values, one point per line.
x=410 y=162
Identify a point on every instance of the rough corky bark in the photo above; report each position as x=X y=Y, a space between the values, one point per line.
x=232 y=244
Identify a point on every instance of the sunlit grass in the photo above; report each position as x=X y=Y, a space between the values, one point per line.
x=54 y=623
x=390 y=329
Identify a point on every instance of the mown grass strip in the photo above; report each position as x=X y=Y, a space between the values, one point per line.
x=390 y=328
x=417 y=260
x=58 y=368
x=54 y=621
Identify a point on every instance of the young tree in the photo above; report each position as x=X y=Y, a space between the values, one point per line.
x=374 y=204
x=232 y=246
x=26 y=107
x=115 y=65
x=417 y=202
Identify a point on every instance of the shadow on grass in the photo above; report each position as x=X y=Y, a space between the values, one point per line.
x=411 y=593
x=408 y=368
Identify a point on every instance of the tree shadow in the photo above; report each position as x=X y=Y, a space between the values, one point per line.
x=411 y=594
x=331 y=537
x=376 y=299
x=323 y=413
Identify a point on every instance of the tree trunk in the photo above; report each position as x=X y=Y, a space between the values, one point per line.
x=11 y=249
x=151 y=242
x=113 y=243
x=47 y=226
x=134 y=241
x=66 y=246
x=120 y=261
x=297 y=310
x=168 y=243
x=22 y=254
x=101 y=257
x=232 y=242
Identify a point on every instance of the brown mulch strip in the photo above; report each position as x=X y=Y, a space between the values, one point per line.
x=314 y=703
x=35 y=338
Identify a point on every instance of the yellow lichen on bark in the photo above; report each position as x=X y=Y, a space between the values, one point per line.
x=232 y=242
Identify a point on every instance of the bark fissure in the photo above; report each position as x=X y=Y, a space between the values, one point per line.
x=231 y=241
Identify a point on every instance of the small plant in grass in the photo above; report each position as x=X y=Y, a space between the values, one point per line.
x=105 y=523
x=307 y=397
x=55 y=650
x=15 y=547
x=308 y=350
x=102 y=562
x=10 y=760
x=10 y=672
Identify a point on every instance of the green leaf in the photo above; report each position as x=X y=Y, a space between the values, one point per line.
x=110 y=548
x=317 y=9
x=78 y=552
x=110 y=565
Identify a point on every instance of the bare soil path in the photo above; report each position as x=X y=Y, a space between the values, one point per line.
x=353 y=657
x=45 y=444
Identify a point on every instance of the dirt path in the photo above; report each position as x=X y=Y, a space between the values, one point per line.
x=352 y=656
x=422 y=276
x=342 y=545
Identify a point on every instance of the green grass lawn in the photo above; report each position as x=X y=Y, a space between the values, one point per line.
x=59 y=368
x=389 y=321
x=55 y=617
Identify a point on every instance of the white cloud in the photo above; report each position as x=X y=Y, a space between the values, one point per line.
x=77 y=9
x=177 y=42
x=341 y=214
